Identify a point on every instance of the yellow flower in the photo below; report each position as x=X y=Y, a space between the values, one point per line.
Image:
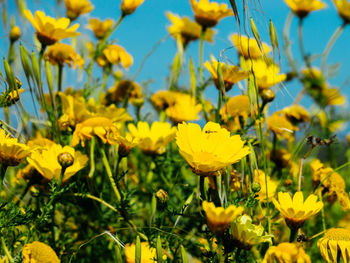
x=237 y=106
x=335 y=240
x=187 y=29
x=46 y=162
x=163 y=99
x=101 y=127
x=117 y=55
x=295 y=211
x=296 y=113
x=230 y=74
x=60 y=53
x=271 y=186
x=50 y=30
x=219 y=218
x=343 y=8
x=246 y=235
x=286 y=253
x=185 y=109
x=100 y=28
x=126 y=144
x=129 y=6
x=148 y=254
x=121 y=90
x=266 y=74
x=75 y=8
x=303 y=7
x=248 y=47
x=281 y=126
x=4 y=260
x=329 y=124
x=209 y=150
x=154 y=139
x=208 y=14
x=9 y=98
x=11 y=151
x=332 y=96
x=15 y=33
x=38 y=252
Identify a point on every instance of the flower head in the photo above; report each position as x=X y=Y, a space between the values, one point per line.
x=303 y=7
x=50 y=30
x=286 y=252
x=271 y=186
x=148 y=254
x=281 y=126
x=230 y=74
x=100 y=28
x=248 y=47
x=60 y=53
x=15 y=33
x=126 y=143
x=129 y=6
x=11 y=151
x=209 y=150
x=246 y=234
x=75 y=8
x=101 y=127
x=343 y=8
x=121 y=90
x=296 y=113
x=335 y=240
x=295 y=211
x=208 y=14
x=185 y=108
x=163 y=99
x=188 y=30
x=45 y=161
x=154 y=139
x=114 y=54
x=38 y=252
x=219 y=218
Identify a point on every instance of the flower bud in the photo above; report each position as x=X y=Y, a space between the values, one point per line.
x=162 y=196
x=15 y=33
x=65 y=159
x=256 y=187
x=267 y=95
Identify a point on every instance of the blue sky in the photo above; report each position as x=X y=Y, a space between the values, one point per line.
x=140 y=31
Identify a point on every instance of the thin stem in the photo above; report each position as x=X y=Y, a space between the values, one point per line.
x=202 y=188
x=301 y=45
x=109 y=173
x=200 y=66
x=92 y=157
x=300 y=173
x=59 y=77
x=287 y=43
x=96 y=199
x=293 y=234
x=7 y=252
x=322 y=214
x=330 y=45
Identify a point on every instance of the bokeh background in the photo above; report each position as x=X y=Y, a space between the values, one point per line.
x=140 y=32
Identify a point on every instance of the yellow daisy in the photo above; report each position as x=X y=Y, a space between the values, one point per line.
x=148 y=254
x=114 y=54
x=185 y=109
x=281 y=126
x=343 y=8
x=100 y=28
x=209 y=150
x=50 y=30
x=303 y=7
x=75 y=8
x=129 y=6
x=248 y=47
x=295 y=211
x=286 y=253
x=126 y=143
x=335 y=240
x=121 y=90
x=38 y=252
x=60 y=53
x=219 y=218
x=163 y=99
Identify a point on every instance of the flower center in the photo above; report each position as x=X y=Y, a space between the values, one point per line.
x=338 y=234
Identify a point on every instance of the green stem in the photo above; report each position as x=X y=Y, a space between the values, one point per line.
x=330 y=45
x=287 y=43
x=7 y=252
x=104 y=85
x=109 y=174
x=293 y=234
x=96 y=199
x=301 y=45
x=92 y=157
x=59 y=77
x=200 y=69
x=202 y=188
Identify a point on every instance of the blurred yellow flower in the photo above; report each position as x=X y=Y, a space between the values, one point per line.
x=266 y=74
x=248 y=47
x=332 y=96
x=123 y=89
x=343 y=8
x=60 y=53
x=163 y=99
x=101 y=127
x=335 y=240
x=281 y=126
x=9 y=98
x=4 y=260
x=100 y=28
x=148 y=254
x=208 y=13
x=126 y=143
x=271 y=186
x=295 y=211
x=328 y=123
x=246 y=235
x=11 y=151
x=187 y=29
x=231 y=74
x=152 y=140
x=286 y=253
x=75 y=8
x=50 y=30
x=303 y=7
x=296 y=113
x=114 y=54
x=129 y=6
x=219 y=218
x=15 y=33
x=209 y=150
x=185 y=109
x=38 y=252
x=46 y=162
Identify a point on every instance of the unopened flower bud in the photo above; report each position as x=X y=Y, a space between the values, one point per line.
x=267 y=95
x=65 y=159
x=162 y=196
x=256 y=187
x=15 y=33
